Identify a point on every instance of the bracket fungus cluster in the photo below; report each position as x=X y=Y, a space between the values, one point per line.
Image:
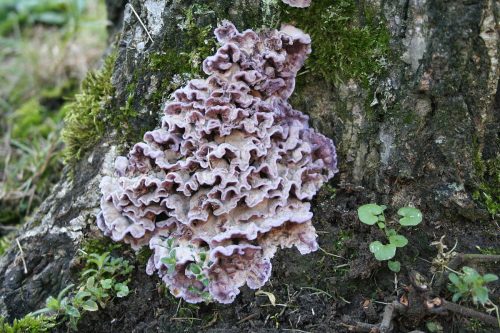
x=225 y=181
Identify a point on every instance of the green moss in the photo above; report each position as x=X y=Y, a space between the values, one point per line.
x=487 y=192
x=177 y=66
x=5 y=242
x=347 y=41
x=28 y=324
x=92 y=113
x=85 y=115
x=100 y=245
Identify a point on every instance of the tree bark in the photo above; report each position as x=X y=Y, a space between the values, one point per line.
x=422 y=133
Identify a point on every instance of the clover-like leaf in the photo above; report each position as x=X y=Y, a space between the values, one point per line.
x=410 y=216
x=122 y=290
x=369 y=213
x=394 y=266
x=107 y=283
x=398 y=240
x=390 y=232
x=383 y=251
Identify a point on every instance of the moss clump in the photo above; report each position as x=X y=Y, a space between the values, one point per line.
x=488 y=189
x=84 y=120
x=347 y=41
x=28 y=324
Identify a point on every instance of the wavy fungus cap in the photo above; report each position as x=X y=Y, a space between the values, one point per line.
x=298 y=3
x=227 y=178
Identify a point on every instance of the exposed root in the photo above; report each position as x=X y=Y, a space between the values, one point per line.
x=418 y=301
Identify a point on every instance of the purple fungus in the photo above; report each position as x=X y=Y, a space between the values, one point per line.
x=227 y=178
x=298 y=3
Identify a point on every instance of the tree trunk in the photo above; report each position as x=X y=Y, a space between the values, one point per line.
x=422 y=129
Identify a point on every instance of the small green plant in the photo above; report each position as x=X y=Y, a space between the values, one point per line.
x=61 y=306
x=372 y=214
x=103 y=278
x=28 y=324
x=469 y=284
x=195 y=270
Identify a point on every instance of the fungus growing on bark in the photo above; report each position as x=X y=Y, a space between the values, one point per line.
x=227 y=177
x=298 y=3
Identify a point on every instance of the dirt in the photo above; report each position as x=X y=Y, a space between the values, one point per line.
x=313 y=294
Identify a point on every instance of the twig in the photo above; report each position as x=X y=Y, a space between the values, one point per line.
x=212 y=321
x=247 y=318
x=140 y=21
x=467 y=312
x=22 y=256
x=361 y=327
x=330 y=254
x=185 y=318
x=390 y=312
x=178 y=307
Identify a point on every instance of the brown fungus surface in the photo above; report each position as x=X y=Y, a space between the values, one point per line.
x=225 y=181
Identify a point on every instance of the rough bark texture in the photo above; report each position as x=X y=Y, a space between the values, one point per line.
x=420 y=134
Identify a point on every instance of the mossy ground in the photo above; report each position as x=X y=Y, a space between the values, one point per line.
x=488 y=183
x=28 y=324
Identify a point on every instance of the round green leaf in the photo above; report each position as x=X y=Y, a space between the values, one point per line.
x=410 y=216
x=124 y=291
x=368 y=214
x=398 y=240
x=394 y=266
x=90 y=305
x=390 y=232
x=381 y=251
x=107 y=283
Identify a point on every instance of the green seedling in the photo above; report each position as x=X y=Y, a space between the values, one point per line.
x=196 y=269
x=105 y=277
x=469 y=284
x=373 y=214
